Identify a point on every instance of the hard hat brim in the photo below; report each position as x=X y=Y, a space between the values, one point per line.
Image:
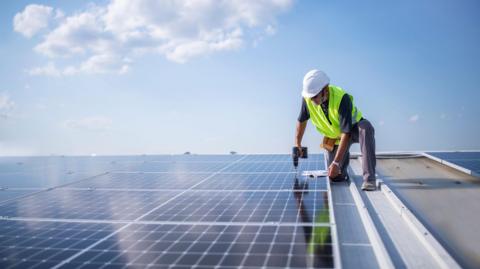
x=309 y=94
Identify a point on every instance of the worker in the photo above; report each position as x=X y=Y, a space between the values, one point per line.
x=335 y=115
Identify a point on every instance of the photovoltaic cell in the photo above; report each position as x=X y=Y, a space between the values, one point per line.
x=259 y=181
x=182 y=211
x=473 y=165
x=84 y=204
x=141 y=180
x=40 y=179
x=273 y=167
x=55 y=164
x=173 y=167
x=183 y=158
x=281 y=158
x=206 y=246
x=467 y=155
x=245 y=206
x=10 y=194
x=468 y=160
x=23 y=164
x=221 y=181
x=45 y=244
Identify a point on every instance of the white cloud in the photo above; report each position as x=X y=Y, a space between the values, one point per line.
x=6 y=106
x=414 y=118
x=32 y=19
x=97 y=64
x=98 y=39
x=100 y=64
x=50 y=69
x=93 y=123
x=79 y=34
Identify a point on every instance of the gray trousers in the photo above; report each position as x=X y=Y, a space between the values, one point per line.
x=366 y=138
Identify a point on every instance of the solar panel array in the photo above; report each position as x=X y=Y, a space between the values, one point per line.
x=469 y=160
x=202 y=211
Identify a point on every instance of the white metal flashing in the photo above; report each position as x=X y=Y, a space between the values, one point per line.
x=379 y=248
x=439 y=254
x=337 y=260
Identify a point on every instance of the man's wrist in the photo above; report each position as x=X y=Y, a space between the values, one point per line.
x=336 y=164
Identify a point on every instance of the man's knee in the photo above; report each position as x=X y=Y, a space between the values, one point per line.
x=367 y=127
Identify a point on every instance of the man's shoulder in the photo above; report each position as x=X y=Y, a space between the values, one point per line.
x=335 y=87
x=342 y=91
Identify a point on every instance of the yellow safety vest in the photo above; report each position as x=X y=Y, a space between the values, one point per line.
x=331 y=129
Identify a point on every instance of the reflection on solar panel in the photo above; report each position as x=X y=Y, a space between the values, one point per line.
x=468 y=160
x=178 y=211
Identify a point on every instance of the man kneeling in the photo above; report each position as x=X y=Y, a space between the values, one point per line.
x=334 y=114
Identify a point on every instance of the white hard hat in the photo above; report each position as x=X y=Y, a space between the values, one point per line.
x=313 y=82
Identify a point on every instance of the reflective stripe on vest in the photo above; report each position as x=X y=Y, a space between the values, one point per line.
x=318 y=118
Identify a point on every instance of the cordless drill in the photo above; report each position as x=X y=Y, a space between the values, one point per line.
x=296 y=155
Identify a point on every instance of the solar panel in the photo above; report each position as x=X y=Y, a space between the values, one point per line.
x=141 y=180
x=256 y=181
x=23 y=176
x=173 y=167
x=40 y=179
x=9 y=194
x=469 y=160
x=85 y=204
x=25 y=244
x=243 y=206
x=181 y=211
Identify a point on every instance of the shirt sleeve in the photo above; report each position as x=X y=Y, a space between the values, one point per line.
x=345 y=114
x=304 y=114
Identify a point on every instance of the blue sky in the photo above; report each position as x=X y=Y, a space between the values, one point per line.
x=103 y=78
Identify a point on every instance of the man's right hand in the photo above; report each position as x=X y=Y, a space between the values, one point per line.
x=300 y=151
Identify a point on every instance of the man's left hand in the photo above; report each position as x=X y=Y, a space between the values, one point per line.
x=333 y=171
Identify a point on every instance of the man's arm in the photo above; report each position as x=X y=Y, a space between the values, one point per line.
x=334 y=168
x=342 y=147
x=345 y=117
x=301 y=126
